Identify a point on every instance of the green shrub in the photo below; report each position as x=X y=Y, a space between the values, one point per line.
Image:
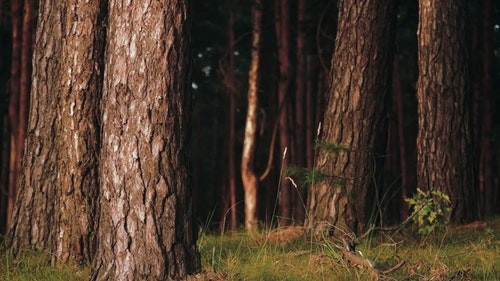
x=430 y=210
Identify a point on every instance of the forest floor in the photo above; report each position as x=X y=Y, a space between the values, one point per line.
x=470 y=252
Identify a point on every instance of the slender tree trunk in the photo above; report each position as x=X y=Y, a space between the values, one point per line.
x=444 y=141
x=55 y=206
x=232 y=130
x=310 y=114
x=354 y=119
x=229 y=80
x=282 y=24
x=248 y=176
x=145 y=225
x=403 y=150
x=29 y=24
x=486 y=178
x=14 y=100
x=300 y=107
x=20 y=95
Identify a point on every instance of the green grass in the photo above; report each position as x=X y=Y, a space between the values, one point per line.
x=35 y=266
x=457 y=254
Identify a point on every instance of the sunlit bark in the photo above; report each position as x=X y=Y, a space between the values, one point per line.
x=145 y=225
x=248 y=176
x=354 y=119
x=444 y=141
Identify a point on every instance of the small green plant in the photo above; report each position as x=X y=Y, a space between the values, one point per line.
x=305 y=176
x=330 y=147
x=430 y=210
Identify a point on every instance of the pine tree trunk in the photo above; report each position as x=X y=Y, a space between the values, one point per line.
x=145 y=226
x=444 y=141
x=55 y=204
x=355 y=117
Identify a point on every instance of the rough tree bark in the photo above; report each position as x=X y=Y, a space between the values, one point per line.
x=248 y=176
x=55 y=206
x=354 y=119
x=145 y=226
x=444 y=146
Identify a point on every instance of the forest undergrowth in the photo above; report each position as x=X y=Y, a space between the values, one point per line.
x=468 y=252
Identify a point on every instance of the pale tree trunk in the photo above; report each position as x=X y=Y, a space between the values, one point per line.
x=248 y=176
x=354 y=119
x=444 y=141
x=55 y=206
x=145 y=228
x=282 y=25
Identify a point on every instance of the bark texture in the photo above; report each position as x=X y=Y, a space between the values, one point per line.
x=355 y=117
x=145 y=227
x=55 y=205
x=444 y=146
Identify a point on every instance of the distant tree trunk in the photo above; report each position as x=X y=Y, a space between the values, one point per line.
x=14 y=100
x=388 y=205
x=4 y=121
x=29 y=24
x=227 y=65
x=248 y=176
x=55 y=206
x=145 y=226
x=403 y=150
x=282 y=24
x=486 y=177
x=300 y=108
x=354 y=119
x=311 y=114
x=444 y=141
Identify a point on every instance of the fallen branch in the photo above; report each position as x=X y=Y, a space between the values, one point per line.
x=349 y=252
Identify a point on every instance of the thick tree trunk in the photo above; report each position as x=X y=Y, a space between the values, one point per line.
x=55 y=206
x=248 y=176
x=444 y=141
x=145 y=226
x=354 y=120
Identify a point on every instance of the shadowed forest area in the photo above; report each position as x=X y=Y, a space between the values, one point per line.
x=328 y=115
x=220 y=81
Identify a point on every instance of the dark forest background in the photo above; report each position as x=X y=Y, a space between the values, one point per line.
x=221 y=45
